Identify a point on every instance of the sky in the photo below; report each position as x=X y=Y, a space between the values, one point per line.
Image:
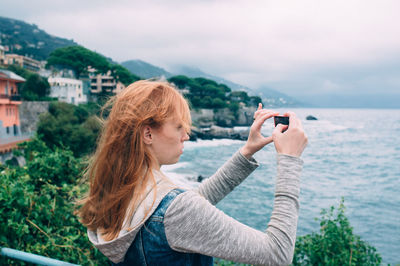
x=306 y=49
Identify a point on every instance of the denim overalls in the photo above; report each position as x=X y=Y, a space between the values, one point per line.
x=150 y=246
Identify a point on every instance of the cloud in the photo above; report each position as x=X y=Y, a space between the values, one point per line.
x=289 y=44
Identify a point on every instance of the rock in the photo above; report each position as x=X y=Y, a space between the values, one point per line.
x=223 y=117
x=310 y=117
x=220 y=132
x=216 y=132
x=200 y=178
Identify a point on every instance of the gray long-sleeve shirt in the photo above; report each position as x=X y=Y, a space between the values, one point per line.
x=193 y=224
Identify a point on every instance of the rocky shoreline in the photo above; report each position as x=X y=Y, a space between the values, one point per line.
x=216 y=132
x=219 y=124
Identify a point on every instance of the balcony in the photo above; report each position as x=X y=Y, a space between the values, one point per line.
x=7 y=99
x=15 y=98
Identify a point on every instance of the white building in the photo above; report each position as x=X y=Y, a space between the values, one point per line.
x=67 y=90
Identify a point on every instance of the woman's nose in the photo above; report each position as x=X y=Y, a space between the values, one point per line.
x=186 y=137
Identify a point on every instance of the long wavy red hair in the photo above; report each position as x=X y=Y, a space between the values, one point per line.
x=121 y=167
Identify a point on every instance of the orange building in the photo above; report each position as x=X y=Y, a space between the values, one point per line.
x=10 y=130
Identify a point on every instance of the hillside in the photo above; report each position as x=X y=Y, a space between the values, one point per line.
x=19 y=37
x=271 y=98
x=144 y=69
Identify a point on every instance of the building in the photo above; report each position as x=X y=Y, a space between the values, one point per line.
x=22 y=61
x=2 y=56
x=104 y=83
x=10 y=129
x=67 y=90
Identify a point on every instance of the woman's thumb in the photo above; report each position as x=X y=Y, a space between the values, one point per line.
x=280 y=128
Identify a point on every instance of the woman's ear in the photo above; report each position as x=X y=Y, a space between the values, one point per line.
x=147 y=138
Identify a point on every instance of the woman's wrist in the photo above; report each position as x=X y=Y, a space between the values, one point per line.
x=246 y=152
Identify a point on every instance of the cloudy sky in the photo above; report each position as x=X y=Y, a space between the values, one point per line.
x=303 y=48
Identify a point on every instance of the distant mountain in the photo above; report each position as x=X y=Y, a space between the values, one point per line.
x=194 y=72
x=22 y=38
x=353 y=100
x=270 y=97
x=274 y=98
x=144 y=69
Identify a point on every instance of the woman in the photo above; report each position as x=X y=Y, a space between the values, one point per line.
x=136 y=216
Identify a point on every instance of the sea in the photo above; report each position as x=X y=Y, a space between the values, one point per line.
x=351 y=153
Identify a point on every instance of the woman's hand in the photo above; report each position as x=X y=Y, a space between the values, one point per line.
x=256 y=141
x=293 y=141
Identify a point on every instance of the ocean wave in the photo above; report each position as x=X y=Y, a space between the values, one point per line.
x=240 y=128
x=323 y=126
x=182 y=180
x=172 y=167
x=211 y=143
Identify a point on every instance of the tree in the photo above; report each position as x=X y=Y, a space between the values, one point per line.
x=79 y=59
x=254 y=100
x=66 y=125
x=239 y=96
x=35 y=87
x=180 y=81
x=123 y=75
x=336 y=244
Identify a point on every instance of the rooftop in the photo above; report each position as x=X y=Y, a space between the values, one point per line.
x=10 y=75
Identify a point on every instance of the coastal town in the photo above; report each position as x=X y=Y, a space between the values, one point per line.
x=64 y=87
x=18 y=117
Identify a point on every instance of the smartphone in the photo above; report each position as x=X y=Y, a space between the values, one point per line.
x=284 y=120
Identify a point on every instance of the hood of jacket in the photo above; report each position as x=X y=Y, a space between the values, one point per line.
x=116 y=249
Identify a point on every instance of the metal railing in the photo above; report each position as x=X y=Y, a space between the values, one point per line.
x=12 y=97
x=32 y=258
x=15 y=97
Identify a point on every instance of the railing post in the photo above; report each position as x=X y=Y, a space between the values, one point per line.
x=32 y=258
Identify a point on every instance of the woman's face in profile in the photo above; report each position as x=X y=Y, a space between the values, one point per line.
x=167 y=144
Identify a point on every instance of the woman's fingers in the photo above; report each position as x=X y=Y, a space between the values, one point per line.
x=294 y=140
x=279 y=129
x=267 y=140
x=293 y=120
x=260 y=111
x=261 y=117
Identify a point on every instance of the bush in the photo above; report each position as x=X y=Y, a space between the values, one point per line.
x=71 y=126
x=336 y=244
x=37 y=205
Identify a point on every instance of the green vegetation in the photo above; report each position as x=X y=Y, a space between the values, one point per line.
x=27 y=39
x=67 y=125
x=80 y=59
x=206 y=93
x=35 y=88
x=335 y=244
x=37 y=205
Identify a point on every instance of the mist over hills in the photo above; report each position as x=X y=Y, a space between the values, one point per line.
x=271 y=98
x=144 y=69
x=353 y=100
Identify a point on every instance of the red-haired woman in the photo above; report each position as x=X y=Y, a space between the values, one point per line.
x=137 y=216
